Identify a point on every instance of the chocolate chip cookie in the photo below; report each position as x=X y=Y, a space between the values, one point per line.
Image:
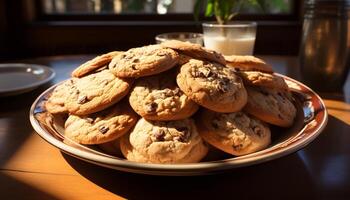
x=255 y=78
x=269 y=105
x=212 y=85
x=100 y=127
x=94 y=64
x=159 y=98
x=235 y=133
x=195 y=51
x=163 y=142
x=248 y=63
x=95 y=92
x=144 y=61
x=55 y=103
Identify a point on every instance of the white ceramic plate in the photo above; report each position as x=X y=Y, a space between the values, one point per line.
x=17 y=78
x=310 y=121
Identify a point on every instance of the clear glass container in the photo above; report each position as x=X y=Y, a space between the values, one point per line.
x=228 y=39
x=196 y=38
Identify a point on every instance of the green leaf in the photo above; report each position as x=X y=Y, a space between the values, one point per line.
x=209 y=11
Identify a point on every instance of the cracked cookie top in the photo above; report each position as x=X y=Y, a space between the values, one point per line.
x=95 y=92
x=94 y=64
x=159 y=98
x=194 y=51
x=235 y=133
x=143 y=61
x=271 y=106
x=164 y=142
x=101 y=127
x=212 y=85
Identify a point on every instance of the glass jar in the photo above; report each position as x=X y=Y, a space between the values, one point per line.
x=324 y=51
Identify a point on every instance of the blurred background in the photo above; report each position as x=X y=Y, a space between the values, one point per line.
x=55 y=27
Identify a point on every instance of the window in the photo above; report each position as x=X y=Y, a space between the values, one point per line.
x=51 y=27
x=152 y=7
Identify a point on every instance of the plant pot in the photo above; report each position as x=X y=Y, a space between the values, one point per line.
x=228 y=39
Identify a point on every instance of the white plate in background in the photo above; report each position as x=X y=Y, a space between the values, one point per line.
x=18 y=78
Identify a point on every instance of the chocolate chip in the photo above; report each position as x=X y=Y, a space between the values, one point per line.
x=258 y=131
x=215 y=125
x=103 y=129
x=133 y=66
x=136 y=60
x=237 y=69
x=182 y=129
x=105 y=82
x=225 y=80
x=185 y=134
x=161 y=53
x=82 y=99
x=237 y=147
x=184 y=137
x=159 y=135
x=223 y=87
x=151 y=108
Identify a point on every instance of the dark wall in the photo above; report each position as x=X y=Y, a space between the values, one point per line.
x=3 y=29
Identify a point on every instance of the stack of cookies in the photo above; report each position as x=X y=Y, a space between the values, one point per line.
x=166 y=103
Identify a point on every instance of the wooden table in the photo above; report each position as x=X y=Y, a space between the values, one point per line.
x=33 y=169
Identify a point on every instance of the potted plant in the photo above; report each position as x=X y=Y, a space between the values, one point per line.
x=223 y=35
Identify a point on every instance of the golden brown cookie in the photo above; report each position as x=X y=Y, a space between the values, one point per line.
x=55 y=103
x=94 y=64
x=271 y=106
x=144 y=61
x=101 y=127
x=95 y=92
x=235 y=133
x=248 y=63
x=194 y=51
x=255 y=78
x=212 y=85
x=159 y=98
x=163 y=142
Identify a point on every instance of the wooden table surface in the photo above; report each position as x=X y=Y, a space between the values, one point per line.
x=33 y=169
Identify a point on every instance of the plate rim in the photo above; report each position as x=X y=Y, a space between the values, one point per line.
x=179 y=169
x=33 y=85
